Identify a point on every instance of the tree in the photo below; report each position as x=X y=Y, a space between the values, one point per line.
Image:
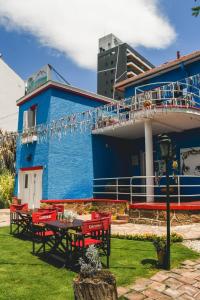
x=196 y=10
x=7 y=151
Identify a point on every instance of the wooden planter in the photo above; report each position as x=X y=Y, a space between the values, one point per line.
x=161 y=254
x=101 y=286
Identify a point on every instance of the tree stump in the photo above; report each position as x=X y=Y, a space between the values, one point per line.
x=101 y=286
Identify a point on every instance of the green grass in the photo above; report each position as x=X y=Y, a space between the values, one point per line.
x=24 y=276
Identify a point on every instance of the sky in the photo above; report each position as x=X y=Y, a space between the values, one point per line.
x=65 y=33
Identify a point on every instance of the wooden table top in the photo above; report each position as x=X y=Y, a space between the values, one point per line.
x=58 y=224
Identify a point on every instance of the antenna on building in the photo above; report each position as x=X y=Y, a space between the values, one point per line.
x=59 y=75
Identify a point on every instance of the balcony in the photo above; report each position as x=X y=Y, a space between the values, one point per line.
x=172 y=107
x=29 y=136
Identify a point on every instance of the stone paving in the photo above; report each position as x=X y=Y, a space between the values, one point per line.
x=4 y=217
x=182 y=283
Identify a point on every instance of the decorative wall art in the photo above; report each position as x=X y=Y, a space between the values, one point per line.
x=190 y=161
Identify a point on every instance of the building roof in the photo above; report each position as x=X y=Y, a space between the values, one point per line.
x=63 y=87
x=158 y=70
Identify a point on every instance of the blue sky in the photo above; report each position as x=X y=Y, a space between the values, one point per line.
x=25 y=54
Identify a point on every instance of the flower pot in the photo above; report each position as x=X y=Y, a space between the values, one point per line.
x=161 y=254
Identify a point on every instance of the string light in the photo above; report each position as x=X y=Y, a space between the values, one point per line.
x=119 y=112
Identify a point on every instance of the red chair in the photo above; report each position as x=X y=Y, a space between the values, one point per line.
x=94 y=232
x=15 y=218
x=99 y=215
x=60 y=210
x=39 y=233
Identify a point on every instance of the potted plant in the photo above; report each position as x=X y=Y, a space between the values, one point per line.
x=159 y=243
x=69 y=216
x=93 y=283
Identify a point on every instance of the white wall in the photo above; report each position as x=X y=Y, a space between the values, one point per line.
x=12 y=87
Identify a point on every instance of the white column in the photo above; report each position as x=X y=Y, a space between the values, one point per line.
x=149 y=160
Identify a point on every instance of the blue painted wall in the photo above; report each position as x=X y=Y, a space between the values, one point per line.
x=68 y=163
x=37 y=151
x=70 y=160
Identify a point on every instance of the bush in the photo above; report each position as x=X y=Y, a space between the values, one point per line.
x=6 y=189
x=175 y=237
x=160 y=243
x=91 y=264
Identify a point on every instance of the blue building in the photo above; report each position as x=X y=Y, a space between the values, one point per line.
x=78 y=145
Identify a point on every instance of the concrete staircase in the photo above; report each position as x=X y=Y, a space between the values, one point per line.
x=121 y=219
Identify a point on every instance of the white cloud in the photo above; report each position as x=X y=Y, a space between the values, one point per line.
x=74 y=26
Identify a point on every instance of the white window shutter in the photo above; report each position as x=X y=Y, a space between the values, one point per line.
x=25 y=120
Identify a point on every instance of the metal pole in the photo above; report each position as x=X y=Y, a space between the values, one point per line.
x=168 y=217
x=117 y=188
x=179 y=191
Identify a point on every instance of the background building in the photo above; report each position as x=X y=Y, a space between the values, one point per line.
x=117 y=61
x=12 y=87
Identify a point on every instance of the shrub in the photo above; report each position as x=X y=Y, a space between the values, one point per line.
x=175 y=237
x=6 y=189
x=91 y=264
x=159 y=243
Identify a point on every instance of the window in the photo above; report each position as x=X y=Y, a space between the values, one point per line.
x=29 y=118
x=112 y=62
x=26 y=181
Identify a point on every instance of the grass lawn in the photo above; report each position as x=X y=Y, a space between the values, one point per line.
x=24 y=276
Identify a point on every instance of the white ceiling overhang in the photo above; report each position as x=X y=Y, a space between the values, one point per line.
x=163 y=121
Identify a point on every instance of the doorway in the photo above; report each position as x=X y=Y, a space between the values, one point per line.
x=30 y=187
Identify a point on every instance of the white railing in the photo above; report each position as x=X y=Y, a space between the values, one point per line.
x=135 y=188
x=171 y=95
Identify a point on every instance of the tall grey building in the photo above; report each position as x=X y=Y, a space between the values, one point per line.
x=117 y=61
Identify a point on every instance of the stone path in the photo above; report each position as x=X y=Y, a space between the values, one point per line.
x=4 y=217
x=182 y=283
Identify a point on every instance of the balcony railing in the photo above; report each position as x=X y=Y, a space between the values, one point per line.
x=172 y=95
x=134 y=189
x=29 y=135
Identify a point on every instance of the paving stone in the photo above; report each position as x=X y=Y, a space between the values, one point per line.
x=160 y=287
x=189 y=263
x=160 y=277
x=185 y=297
x=194 y=274
x=173 y=283
x=179 y=270
x=141 y=284
x=172 y=292
x=197 y=266
x=122 y=290
x=189 y=290
x=175 y=275
x=197 y=296
x=197 y=284
x=134 y=296
x=155 y=295
x=187 y=280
